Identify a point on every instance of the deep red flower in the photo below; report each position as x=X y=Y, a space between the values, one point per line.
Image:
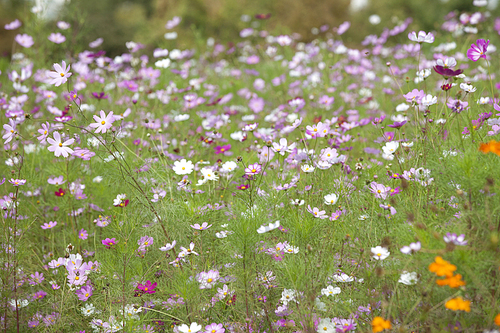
x=60 y=193
x=447 y=72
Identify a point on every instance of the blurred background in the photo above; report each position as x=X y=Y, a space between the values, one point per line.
x=143 y=21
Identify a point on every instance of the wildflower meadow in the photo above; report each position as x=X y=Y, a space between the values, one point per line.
x=265 y=185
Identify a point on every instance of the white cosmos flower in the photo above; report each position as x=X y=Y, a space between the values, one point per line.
x=307 y=168
x=429 y=100
x=380 y=253
x=331 y=199
x=330 y=291
x=183 y=167
x=408 y=278
x=269 y=227
x=193 y=328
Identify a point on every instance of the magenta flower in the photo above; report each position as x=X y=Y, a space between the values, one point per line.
x=478 y=51
x=60 y=75
x=222 y=149
x=147 y=288
x=145 y=241
x=100 y=95
x=36 y=278
x=109 y=242
x=83 y=234
x=253 y=169
x=49 y=225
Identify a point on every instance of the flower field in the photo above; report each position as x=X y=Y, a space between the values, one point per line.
x=266 y=185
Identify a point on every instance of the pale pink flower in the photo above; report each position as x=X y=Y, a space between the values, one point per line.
x=58 y=147
x=60 y=75
x=103 y=123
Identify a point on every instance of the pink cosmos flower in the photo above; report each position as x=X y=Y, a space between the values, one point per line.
x=84 y=293
x=316 y=212
x=24 y=40
x=58 y=147
x=57 y=38
x=380 y=190
x=214 y=328
x=61 y=74
x=56 y=180
x=103 y=123
x=13 y=25
x=203 y=226
x=17 y=182
x=83 y=234
x=253 y=169
x=44 y=131
x=49 y=225
x=478 y=51
x=10 y=130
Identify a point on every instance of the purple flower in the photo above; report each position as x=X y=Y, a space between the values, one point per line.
x=214 y=328
x=100 y=95
x=84 y=293
x=36 y=278
x=83 y=234
x=453 y=238
x=397 y=124
x=447 y=72
x=145 y=241
x=389 y=207
x=478 y=51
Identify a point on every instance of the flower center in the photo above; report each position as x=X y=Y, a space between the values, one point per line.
x=60 y=144
x=62 y=74
x=103 y=122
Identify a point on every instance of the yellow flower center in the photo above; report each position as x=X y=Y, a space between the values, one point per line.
x=60 y=144
x=103 y=122
x=62 y=74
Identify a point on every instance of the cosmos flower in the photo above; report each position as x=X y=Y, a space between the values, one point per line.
x=478 y=51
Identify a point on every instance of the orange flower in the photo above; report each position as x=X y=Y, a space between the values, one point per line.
x=497 y=319
x=442 y=267
x=458 y=303
x=379 y=324
x=454 y=281
x=490 y=147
